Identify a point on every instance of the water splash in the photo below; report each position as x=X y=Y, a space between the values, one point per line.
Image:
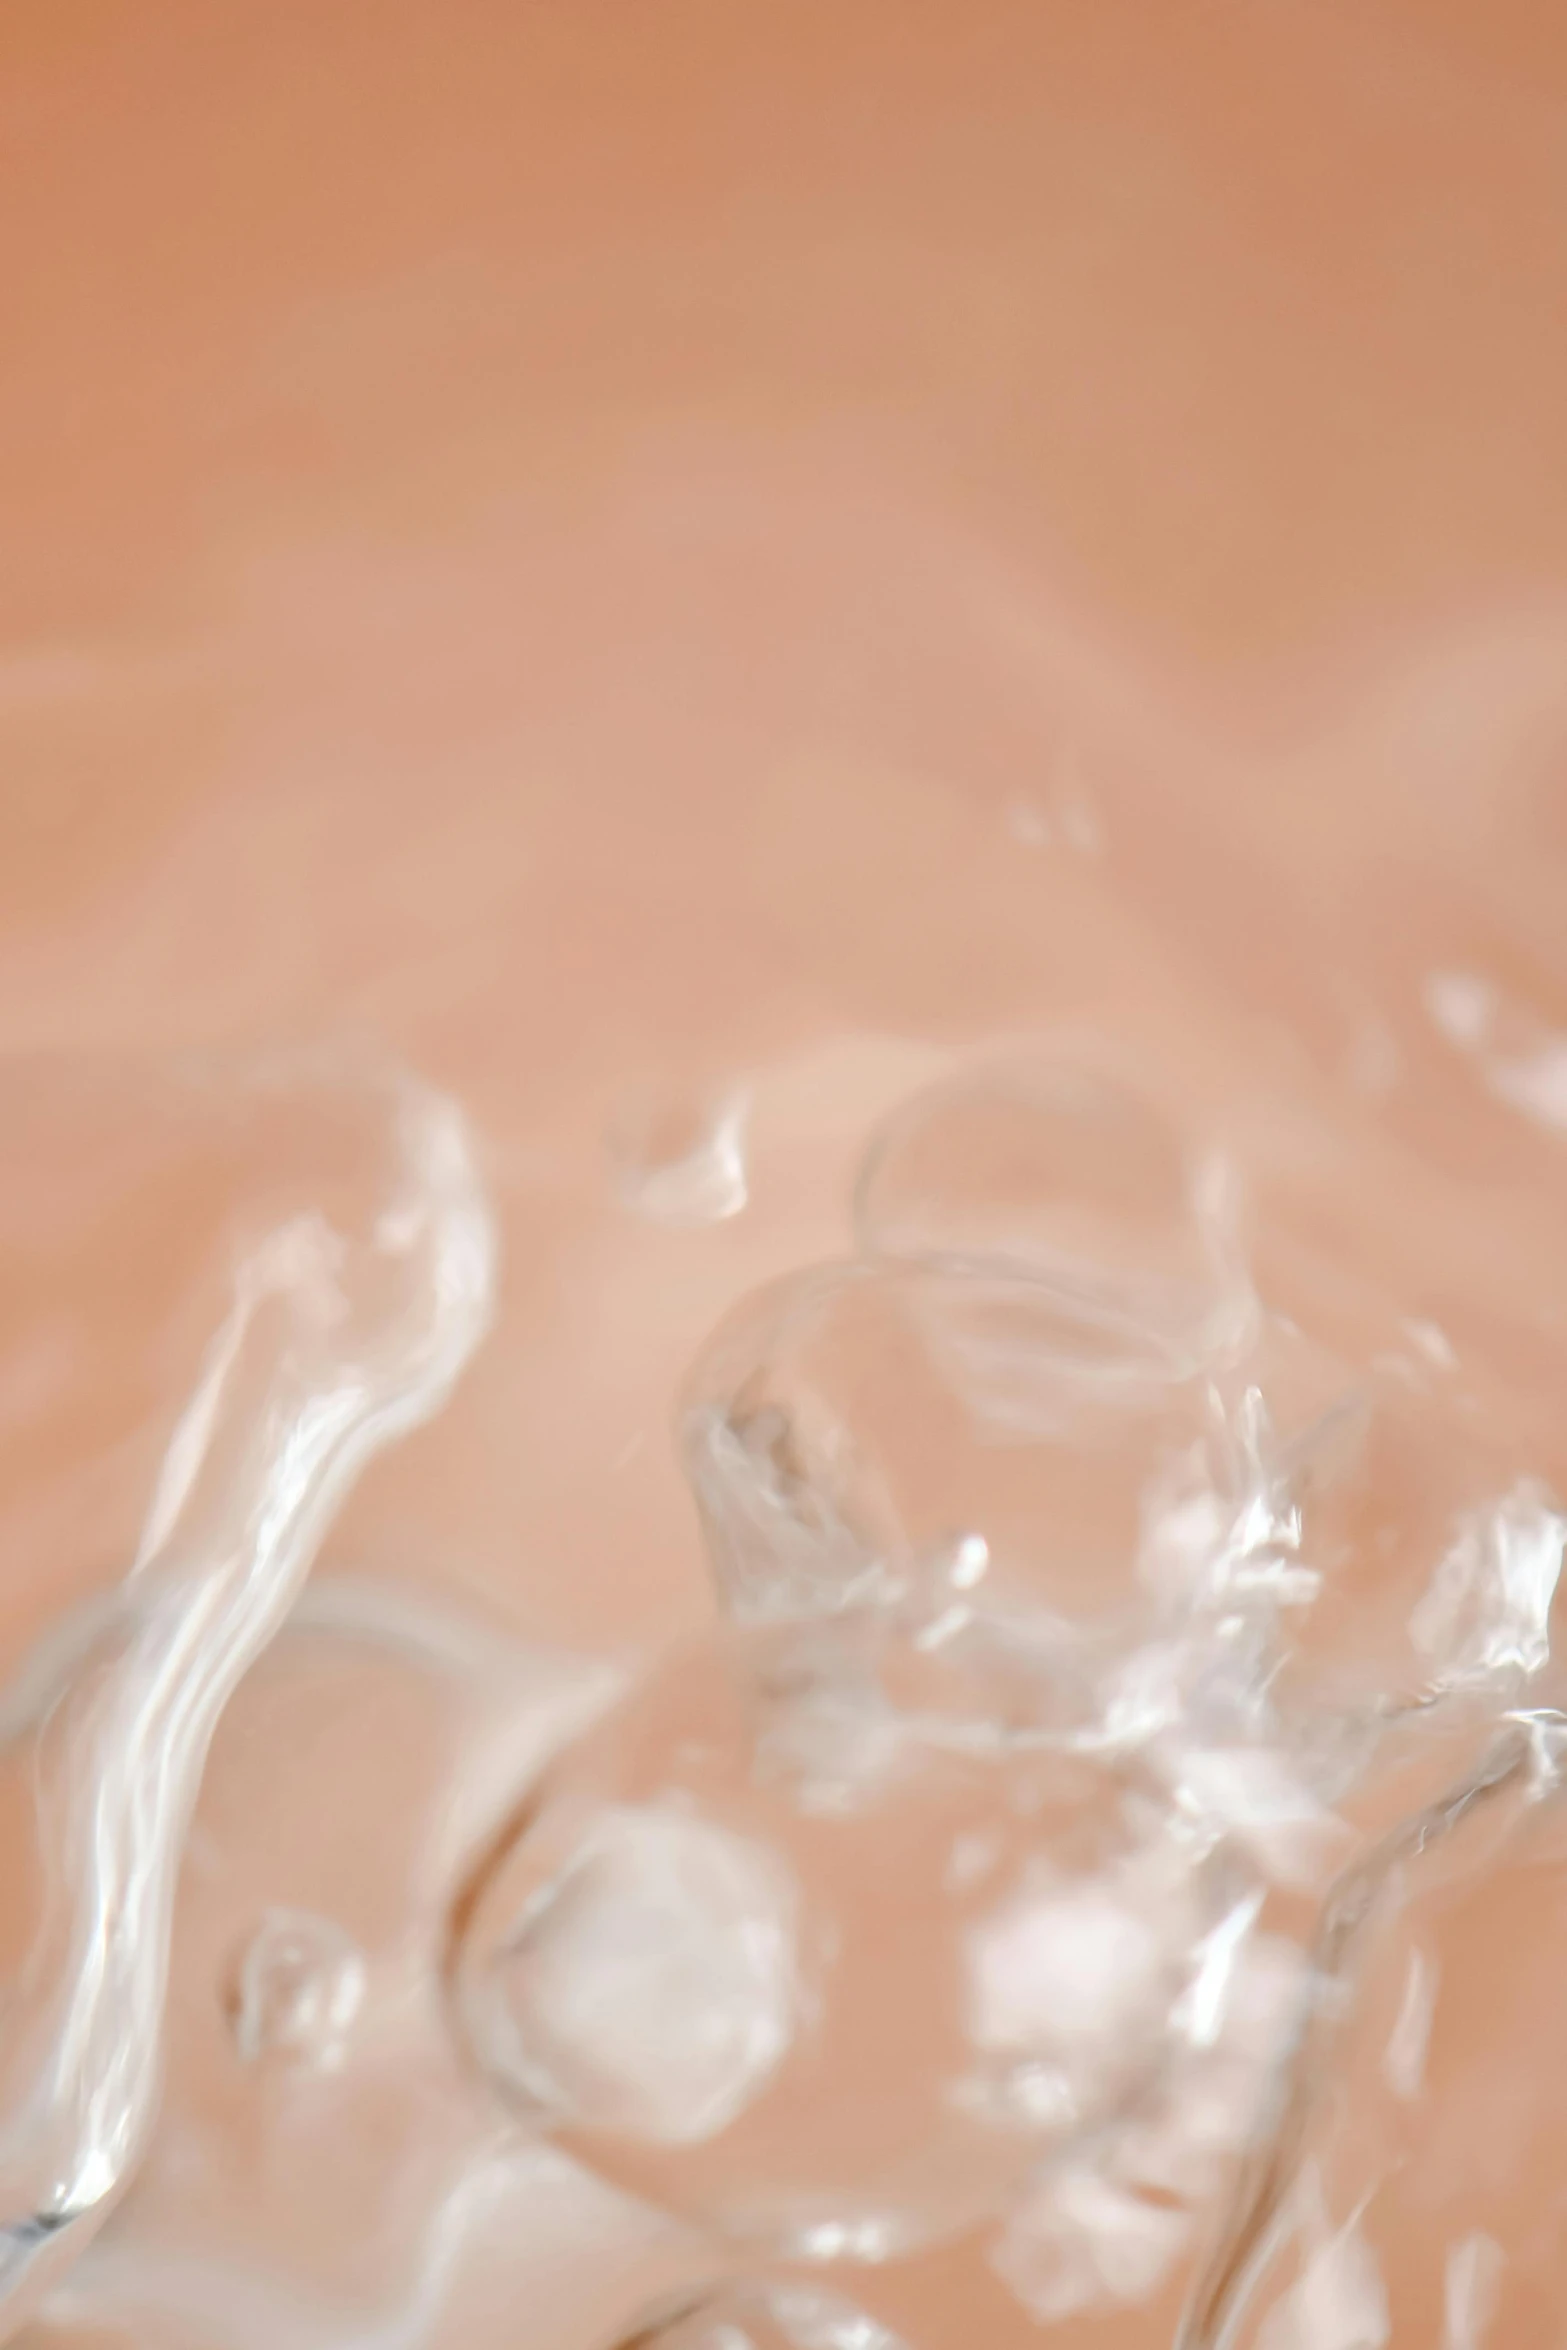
x=798 y=2023
x=1276 y=2195
x=167 y=2295
x=346 y=1327
x=1085 y=2241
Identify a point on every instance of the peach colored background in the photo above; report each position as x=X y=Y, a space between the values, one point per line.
x=566 y=533
x=560 y=531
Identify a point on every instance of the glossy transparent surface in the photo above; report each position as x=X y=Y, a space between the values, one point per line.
x=856 y=1418
x=332 y=1273
x=760 y=2317
x=987 y=1869
x=312 y=2099
x=759 y=1953
x=803 y=553
x=1056 y=1173
x=1408 y=2186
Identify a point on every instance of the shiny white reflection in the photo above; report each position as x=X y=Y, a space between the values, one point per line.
x=335 y=1343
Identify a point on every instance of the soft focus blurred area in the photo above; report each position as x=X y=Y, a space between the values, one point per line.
x=692 y=573
x=593 y=540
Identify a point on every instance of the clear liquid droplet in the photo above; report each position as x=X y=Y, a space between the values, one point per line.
x=1041 y=1171
x=296 y=1991
x=678 y=1158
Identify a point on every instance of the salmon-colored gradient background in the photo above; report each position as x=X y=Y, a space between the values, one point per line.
x=567 y=534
